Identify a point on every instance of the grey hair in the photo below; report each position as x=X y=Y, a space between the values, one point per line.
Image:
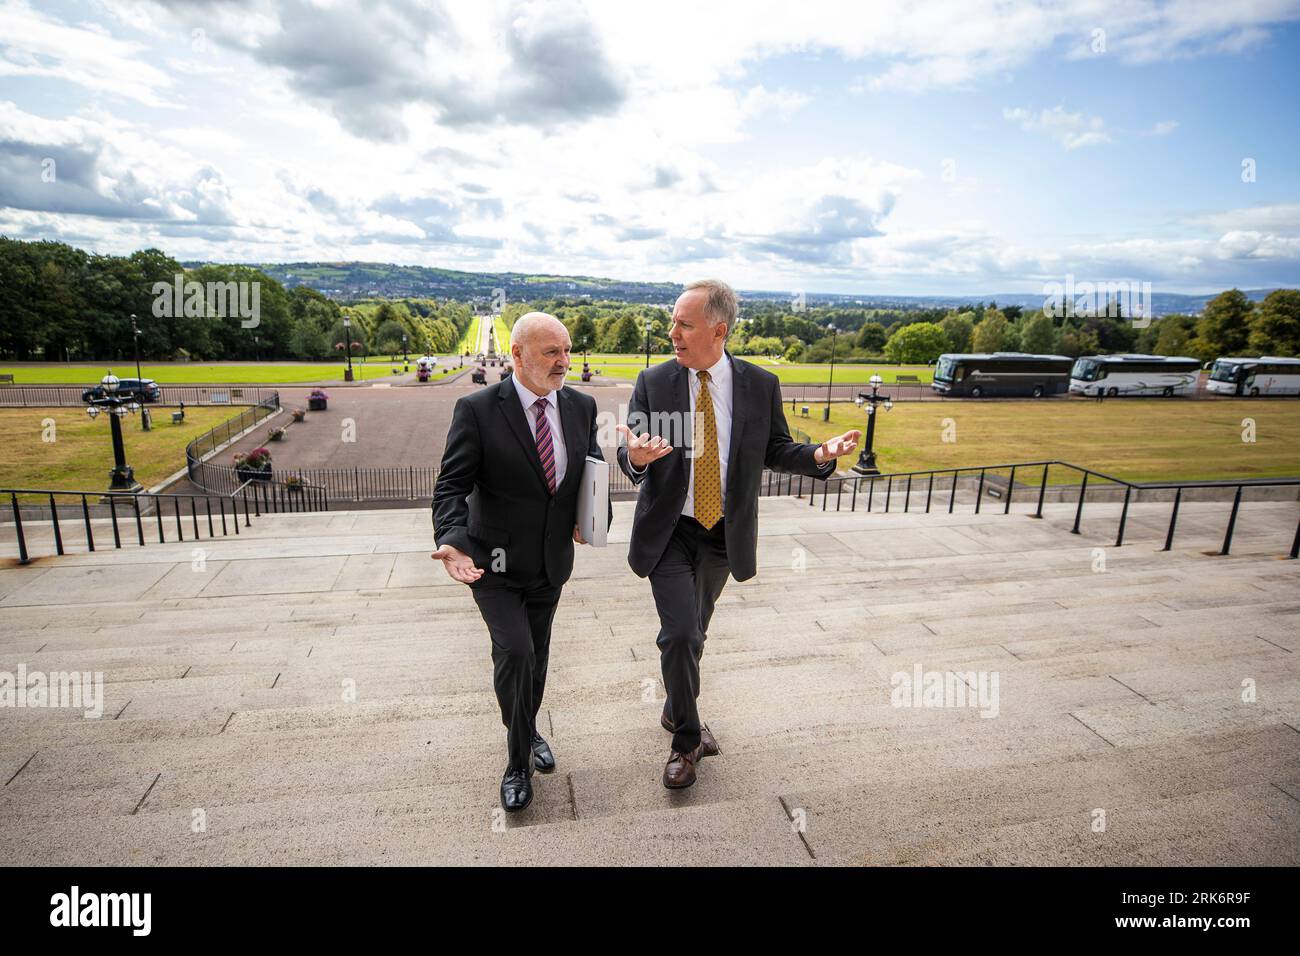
x=722 y=304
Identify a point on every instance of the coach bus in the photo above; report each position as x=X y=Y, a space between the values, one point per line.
x=1266 y=375
x=1134 y=375
x=1001 y=373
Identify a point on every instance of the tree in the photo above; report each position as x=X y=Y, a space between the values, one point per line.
x=625 y=335
x=872 y=337
x=1038 y=335
x=918 y=343
x=388 y=336
x=958 y=326
x=1173 y=332
x=310 y=343
x=1224 y=328
x=582 y=332
x=1275 y=327
x=764 y=345
x=990 y=334
x=1076 y=342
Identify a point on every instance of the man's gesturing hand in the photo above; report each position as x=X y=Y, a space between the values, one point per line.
x=837 y=446
x=458 y=564
x=642 y=449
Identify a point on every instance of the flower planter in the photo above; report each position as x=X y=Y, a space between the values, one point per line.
x=253 y=474
x=317 y=404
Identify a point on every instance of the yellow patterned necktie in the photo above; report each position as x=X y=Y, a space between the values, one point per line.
x=708 y=481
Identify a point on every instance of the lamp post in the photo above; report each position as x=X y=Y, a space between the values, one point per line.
x=647 y=342
x=826 y=413
x=406 y=362
x=121 y=478
x=867 y=458
x=347 y=331
x=145 y=423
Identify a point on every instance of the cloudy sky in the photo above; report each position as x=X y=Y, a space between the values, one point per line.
x=913 y=148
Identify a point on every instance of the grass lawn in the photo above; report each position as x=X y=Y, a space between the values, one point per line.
x=469 y=341
x=81 y=455
x=201 y=373
x=1138 y=439
x=502 y=334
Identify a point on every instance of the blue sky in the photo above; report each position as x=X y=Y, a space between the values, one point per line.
x=918 y=148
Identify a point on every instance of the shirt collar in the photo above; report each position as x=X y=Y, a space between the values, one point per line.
x=528 y=397
x=718 y=371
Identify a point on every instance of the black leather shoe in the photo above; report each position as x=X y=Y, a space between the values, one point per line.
x=516 y=790
x=543 y=759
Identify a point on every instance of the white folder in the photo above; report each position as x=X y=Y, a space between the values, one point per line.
x=593 y=502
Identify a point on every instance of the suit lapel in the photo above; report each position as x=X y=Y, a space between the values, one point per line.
x=513 y=410
x=575 y=438
x=681 y=404
x=739 y=403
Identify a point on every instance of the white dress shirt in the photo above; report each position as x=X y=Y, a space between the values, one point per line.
x=528 y=399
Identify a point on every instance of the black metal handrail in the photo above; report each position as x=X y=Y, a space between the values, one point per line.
x=278 y=496
x=1130 y=487
x=136 y=512
x=198 y=449
x=257 y=497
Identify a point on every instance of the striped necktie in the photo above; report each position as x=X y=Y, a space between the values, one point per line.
x=545 y=448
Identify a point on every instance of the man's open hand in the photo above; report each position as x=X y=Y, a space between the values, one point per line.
x=458 y=564
x=837 y=446
x=643 y=449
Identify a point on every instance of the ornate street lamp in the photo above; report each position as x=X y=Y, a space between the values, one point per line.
x=145 y=422
x=867 y=458
x=117 y=405
x=647 y=341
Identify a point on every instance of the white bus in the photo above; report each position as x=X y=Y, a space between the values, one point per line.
x=1113 y=375
x=1266 y=375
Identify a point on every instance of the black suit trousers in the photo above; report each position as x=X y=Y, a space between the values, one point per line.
x=519 y=622
x=686 y=584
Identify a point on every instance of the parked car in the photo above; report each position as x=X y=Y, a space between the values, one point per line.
x=142 y=389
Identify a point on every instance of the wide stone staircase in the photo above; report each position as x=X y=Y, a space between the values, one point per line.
x=317 y=690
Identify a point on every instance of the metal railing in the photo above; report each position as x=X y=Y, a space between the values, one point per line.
x=280 y=497
x=906 y=481
x=24 y=396
x=125 y=510
x=138 y=511
x=206 y=444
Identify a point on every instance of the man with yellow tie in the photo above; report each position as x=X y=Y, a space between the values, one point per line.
x=700 y=431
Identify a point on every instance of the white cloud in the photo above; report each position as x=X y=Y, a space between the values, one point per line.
x=1071 y=130
x=571 y=139
x=35 y=44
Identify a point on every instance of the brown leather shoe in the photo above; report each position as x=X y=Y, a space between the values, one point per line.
x=679 y=772
x=708 y=744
